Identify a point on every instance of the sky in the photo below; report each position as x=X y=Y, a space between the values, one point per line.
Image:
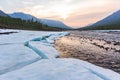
x=75 y=13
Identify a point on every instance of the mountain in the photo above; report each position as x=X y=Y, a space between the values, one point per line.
x=3 y=14
x=8 y=22
x=52 y=23
x=17 y=23
x=23 y=16
x=110 y=22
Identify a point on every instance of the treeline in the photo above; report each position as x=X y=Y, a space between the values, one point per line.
x=14 y=23
x=115 y=27
x=102 y=27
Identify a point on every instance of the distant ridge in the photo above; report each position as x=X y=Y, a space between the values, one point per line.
x=9 y=22
x=52 y=23
x=110 y=22
x=3 y=14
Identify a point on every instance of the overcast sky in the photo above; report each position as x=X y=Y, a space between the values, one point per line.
x=72 y=12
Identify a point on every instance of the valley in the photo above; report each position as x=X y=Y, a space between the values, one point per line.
x=59 y=40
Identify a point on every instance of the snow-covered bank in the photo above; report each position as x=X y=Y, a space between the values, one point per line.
x=30 y=55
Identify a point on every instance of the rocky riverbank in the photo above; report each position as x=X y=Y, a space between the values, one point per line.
x=101 y=48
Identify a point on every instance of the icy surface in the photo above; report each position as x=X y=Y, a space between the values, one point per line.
x=14 y=54
x=50 y=53
x=61 y=69
x=30 y=55
x=8 y=30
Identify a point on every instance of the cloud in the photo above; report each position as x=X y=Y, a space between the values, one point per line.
x=52 y=9
x=61 y=7
x=1 y=8
x=27 y=3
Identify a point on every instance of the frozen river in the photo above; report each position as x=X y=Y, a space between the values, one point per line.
x=30 y=55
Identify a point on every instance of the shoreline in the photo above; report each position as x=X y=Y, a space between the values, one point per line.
x=98 y=51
